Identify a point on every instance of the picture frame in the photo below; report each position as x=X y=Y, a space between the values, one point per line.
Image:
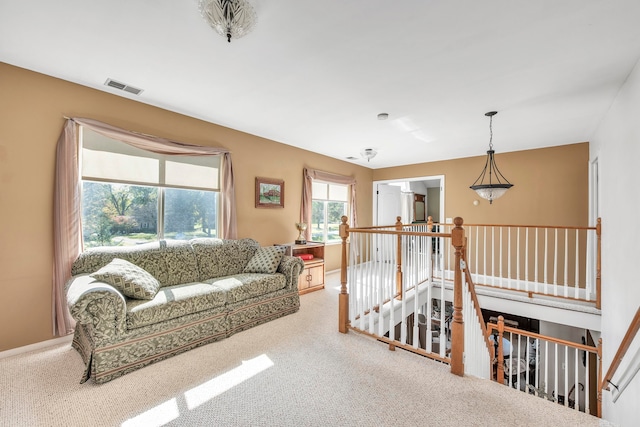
x=269 y=193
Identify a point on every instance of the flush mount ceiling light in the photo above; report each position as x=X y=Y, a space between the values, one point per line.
x=368 y=153
x=495 y=186
x=230 y=18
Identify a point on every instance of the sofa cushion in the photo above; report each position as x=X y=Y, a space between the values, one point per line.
x=248 y=285
x=266 y=260
x=180 y=261
x=174 y=301
x=129 y=279
x=220 y=258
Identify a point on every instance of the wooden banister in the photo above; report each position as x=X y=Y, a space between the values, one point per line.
x=534 y=335
x=598 y=263
x=343 y=298
x=622 y=350
x=399 y=258
x=552 y=227
x=599 y=408
x=457 y=325
x=500 y=366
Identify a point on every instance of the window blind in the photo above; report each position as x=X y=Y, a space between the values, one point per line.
x=326 y=191
x=107 y=159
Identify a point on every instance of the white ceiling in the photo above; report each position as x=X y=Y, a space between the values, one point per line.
x=315 y=74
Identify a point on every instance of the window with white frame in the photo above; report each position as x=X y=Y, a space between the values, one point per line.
x=329 y=203
x=132 y=196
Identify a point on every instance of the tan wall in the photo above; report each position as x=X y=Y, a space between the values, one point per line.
x=32 y=107
x=550 y=186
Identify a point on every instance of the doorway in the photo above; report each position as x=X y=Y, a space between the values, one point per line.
x=412 y=199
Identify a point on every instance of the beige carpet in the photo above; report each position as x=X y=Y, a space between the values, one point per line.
x=294 y=371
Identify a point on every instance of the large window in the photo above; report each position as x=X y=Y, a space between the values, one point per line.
x=329 y=203
x=132 y=196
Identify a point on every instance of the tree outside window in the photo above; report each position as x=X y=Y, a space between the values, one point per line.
x=132 y=196
x=329 y=204
x=123 y=215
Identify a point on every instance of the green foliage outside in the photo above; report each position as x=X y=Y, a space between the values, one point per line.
x=116 y=214
x=333 y=212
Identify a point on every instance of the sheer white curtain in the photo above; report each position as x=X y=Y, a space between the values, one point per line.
x=306 y=209
x=67 y=217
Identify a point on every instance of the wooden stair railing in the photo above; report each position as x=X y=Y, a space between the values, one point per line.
x=343 y=298
x=457 y=324
x=537 y=259
x=554 y=372
x=622 y=350
x=398 y=230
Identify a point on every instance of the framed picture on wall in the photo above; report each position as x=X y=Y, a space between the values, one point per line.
x=269 y=193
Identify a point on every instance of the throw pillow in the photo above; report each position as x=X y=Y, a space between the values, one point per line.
x=129 y=279
x=265 y=260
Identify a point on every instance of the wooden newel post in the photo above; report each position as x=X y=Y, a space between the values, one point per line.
x=599 y=404
x=500 y=367
x=429 y=223
x=457 y=326
x=399 y=258
x=598 y=264
x=343 y=298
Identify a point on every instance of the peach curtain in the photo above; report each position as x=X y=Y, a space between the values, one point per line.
x=67 y=226
x=67 y=210
x=306 y=206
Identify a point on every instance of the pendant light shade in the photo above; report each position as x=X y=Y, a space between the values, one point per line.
x=230 y=18
x=368 y=153
x=496 y=184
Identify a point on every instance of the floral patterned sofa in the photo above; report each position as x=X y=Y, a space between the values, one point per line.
x=138 y=305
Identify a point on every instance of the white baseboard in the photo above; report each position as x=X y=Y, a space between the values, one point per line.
x=36 y=346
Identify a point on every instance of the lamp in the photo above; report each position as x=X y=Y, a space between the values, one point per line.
x=368 y=153
x=230 y=18
x=495 y=188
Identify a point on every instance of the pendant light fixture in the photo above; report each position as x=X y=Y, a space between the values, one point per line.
x=230 y=18
x=368 y=153
x=496 y=184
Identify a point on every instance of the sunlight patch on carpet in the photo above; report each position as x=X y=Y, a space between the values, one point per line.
x=157 y=416
x=212 y=388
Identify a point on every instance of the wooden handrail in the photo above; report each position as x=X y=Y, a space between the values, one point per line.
x=544 y=337
x=622 y=350
x=399 y=233
x=559 y=227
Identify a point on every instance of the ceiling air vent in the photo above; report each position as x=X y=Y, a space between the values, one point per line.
x=122 y=86
x=352 y=158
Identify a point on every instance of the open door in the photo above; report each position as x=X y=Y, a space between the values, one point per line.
x=389 y=204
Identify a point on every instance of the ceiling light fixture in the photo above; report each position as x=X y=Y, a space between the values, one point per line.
x=495 y=188
x=383 y=116
x=230 y=18
x=369 y=153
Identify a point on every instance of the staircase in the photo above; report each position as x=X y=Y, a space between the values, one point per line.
x=414 y=289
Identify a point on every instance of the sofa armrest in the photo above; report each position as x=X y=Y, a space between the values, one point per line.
x=291 y=267
x=96 y=303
